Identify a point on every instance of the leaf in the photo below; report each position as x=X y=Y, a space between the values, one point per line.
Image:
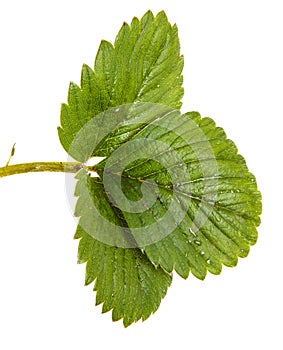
x=144 y=65
x=205 y=207
x=172 y=194
x=125 y=280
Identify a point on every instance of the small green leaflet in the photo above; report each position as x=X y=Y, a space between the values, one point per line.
x=173 y=194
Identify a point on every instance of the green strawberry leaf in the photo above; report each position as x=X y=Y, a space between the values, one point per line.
x=125 y=280
x=143 y=65
x=185 y=194
x=172 y=192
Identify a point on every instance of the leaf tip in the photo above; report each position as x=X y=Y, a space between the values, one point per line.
x=148 y=14
x=162 y=14
x=125 y=25
x=72 y=85
x=88 y=281
x=105 y=44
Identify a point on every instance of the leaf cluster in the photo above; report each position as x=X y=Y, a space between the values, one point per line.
x=200 y=204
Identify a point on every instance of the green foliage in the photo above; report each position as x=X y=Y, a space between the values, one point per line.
x=125 y=280
x=172 y=193
x=143 y=65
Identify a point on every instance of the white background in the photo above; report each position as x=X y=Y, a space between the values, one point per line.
x=233 y=73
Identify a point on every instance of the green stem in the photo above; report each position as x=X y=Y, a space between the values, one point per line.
x=65 y=167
